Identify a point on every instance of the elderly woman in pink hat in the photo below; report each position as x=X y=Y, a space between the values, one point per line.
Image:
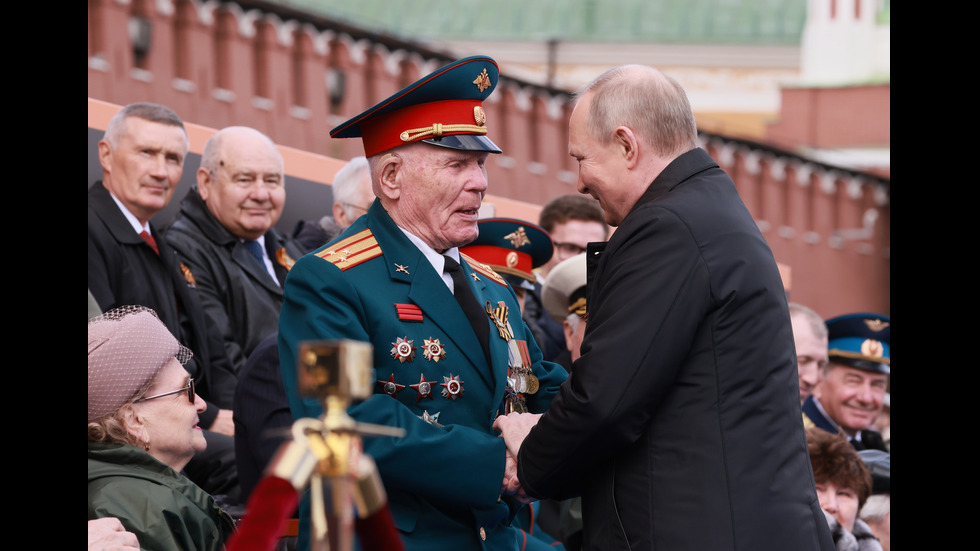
x=142 y=430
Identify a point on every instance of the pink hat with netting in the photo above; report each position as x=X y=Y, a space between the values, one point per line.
x=127 y=347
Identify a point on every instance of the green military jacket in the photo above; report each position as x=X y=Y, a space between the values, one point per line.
x=443 y=477
x=162 y=507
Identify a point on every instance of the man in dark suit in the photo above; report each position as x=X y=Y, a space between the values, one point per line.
x=851 y=394
x=142 y=156
x=396 y=279
x=679 y=423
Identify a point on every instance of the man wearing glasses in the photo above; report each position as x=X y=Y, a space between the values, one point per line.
x=572 y=221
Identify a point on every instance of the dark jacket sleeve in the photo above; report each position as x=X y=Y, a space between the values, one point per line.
x=660 y=286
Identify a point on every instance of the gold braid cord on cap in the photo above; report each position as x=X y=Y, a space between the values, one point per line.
x=438 y=129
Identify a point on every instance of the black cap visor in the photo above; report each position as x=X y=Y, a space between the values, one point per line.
x=467 y=142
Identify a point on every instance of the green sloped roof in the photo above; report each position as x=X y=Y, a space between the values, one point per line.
x=743 y=22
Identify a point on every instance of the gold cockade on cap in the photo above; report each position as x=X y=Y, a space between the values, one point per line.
x=483 y=80
x=873 y=348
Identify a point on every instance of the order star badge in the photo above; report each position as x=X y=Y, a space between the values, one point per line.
x=424 y=389
x=453 y=387
x=403 y=350
x=433 y=350
x=390 y=387
x=432 y=419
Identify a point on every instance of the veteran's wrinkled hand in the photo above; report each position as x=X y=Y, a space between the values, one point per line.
x=514 y=427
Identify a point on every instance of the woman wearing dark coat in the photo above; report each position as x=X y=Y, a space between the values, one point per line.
x=142 y=430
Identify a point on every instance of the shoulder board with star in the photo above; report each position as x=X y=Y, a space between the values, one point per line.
x=484 y=269
x=350 y=252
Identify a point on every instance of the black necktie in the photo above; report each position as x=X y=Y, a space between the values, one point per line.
x=471 y=307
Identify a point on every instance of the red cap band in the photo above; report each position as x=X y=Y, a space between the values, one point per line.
x=421 y=121
x=512 y=261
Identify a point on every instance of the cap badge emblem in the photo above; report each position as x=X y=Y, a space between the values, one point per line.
x=518 y=238
x=483 y=80
x=876 y=324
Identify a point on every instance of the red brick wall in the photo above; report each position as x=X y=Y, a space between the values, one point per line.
x=853 y=116
x=204 y=59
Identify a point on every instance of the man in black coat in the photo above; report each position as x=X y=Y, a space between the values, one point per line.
x=142 y=156
x=679 y=425
x=239 y=197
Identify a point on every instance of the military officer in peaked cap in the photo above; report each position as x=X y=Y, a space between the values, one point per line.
x=851 y=395
x=513 y=248
x=389 y=279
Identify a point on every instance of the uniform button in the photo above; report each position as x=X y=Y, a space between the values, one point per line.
x=483 y=534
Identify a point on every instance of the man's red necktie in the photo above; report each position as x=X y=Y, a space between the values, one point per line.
x=149 y=239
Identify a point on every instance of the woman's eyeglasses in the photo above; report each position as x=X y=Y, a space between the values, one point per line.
x=189 y=389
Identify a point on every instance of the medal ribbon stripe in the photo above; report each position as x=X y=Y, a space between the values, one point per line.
x=409 y=312
x=525 y=355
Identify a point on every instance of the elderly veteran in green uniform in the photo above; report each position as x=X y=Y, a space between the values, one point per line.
x=851 y=395
x=441 y=375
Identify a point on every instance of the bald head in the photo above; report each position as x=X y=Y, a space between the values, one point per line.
x=241 y=180
x=652 y=104
x=233 y=137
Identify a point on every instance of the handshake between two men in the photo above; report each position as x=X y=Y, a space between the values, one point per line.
x=514 y=428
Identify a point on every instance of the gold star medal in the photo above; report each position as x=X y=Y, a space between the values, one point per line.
x=433 y=350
